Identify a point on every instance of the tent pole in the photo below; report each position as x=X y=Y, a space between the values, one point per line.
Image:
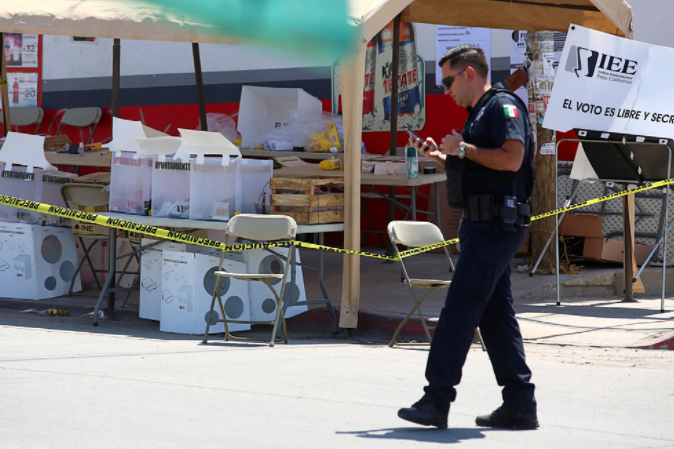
x=353 y=83
x=4 y=84
x=395 y=72
x=116 y=70
x=116 y=76
x=200 y=86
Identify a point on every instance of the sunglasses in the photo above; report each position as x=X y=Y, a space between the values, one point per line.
x=447 y=82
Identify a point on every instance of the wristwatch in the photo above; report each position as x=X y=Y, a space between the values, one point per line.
x=461 y=151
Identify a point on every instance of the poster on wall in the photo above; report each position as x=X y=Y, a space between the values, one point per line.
x=21 y=50
x=518 y=54
x=378 y=82
x=22 y=89
x=448 y=37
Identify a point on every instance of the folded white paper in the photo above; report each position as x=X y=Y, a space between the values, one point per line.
x=24 y=149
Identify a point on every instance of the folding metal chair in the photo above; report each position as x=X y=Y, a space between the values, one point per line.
x=81 y=118
x=416 y=234
x=267 y=228
x=25 y=116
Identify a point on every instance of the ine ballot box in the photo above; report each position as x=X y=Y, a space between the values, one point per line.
x=214 y=190
x=19 y=183
x=50 y=183
x=255 y=176
x=36 y=262
x=171 y=188
x=131 y=183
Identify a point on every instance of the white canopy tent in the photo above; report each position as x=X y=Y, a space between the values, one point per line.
x=125 y=19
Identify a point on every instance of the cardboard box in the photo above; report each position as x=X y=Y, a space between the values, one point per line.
x=582 y=225
x=613 y=250
x=263 y=109
x=36 y=262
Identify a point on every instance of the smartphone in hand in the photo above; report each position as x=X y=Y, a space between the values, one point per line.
x=414 y=135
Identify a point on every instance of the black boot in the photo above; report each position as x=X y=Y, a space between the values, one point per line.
x=508 y=418
x=426 y=414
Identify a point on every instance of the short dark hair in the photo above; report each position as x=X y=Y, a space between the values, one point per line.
x=466 y=55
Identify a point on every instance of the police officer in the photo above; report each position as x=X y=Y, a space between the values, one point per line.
x=490 y=175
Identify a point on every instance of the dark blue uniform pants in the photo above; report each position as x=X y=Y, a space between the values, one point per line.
x=480 y=295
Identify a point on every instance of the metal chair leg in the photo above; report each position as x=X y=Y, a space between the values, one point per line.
x=478 y=335
x=416 y=308
x=224 y=317
x=279 y=312
x=208 y=323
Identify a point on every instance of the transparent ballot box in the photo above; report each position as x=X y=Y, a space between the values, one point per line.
x=255 y=175
x=171 y=188
x=214 y=194
x=131 y=183
x=18 y=183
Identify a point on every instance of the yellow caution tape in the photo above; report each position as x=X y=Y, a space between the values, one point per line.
x=654 y=185
x=182 y=237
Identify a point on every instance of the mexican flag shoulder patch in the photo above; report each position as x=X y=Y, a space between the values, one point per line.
x=511 y=111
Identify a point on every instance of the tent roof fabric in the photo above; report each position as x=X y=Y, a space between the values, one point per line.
x=610 y=16
x=134 y=19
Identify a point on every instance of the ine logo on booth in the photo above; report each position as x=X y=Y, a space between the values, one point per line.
x=591 y=63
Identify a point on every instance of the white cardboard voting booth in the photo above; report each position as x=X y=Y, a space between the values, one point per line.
x=263 y=109
x=262 y=302
x=36 y=262
x=188 y=281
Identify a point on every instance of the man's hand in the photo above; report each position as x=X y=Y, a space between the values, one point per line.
x=451 y=142
x=428 y=147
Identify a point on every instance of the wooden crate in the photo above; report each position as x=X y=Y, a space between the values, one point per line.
x=311 y=204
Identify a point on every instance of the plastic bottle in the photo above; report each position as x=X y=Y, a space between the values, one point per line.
x=412 y=162
x=15 y=93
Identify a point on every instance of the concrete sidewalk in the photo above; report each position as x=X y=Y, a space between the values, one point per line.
x=591 y=313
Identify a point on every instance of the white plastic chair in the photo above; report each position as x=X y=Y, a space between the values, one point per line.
x=267 y=228
x=416 y=234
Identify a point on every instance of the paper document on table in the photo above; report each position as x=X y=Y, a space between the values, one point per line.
x=291 y=161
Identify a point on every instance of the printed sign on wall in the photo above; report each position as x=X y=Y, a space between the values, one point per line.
x=378 y=82
x=448 y=37
x=22 y=89
x=21 y=50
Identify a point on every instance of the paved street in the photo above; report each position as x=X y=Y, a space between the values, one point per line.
x=65 y=384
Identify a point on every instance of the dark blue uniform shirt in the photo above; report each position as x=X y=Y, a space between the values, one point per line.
x=501 y=118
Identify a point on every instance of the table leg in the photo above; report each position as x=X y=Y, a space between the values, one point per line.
x=413 y=202
x=110 y=279
x=321 y=265
x=437 y=204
